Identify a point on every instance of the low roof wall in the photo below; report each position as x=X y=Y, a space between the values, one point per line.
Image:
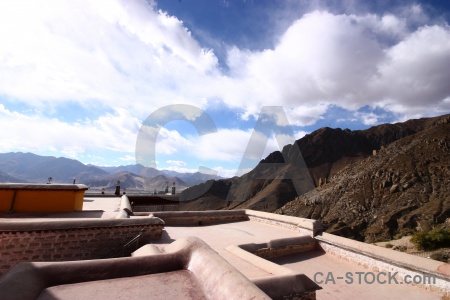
x=384 y=259
x=200 y=217
x=45 y=224
x=310 y=226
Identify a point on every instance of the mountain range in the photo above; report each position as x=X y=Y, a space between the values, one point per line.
x=369 y=185
x=35 y=168
x=29 y=167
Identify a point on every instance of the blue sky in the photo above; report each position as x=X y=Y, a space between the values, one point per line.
x=79 y=79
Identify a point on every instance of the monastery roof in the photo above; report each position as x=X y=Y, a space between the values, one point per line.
x=243 y=242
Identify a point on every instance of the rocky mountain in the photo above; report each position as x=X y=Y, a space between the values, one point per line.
x=9 y=179
x=159 y=183
x=148 y=172
x=331 y=154
x=133 y=182
x=35 y=168
x=401 y=188
x=192 y=178
x=136 y=169
x=109 y=181
x=29 y=167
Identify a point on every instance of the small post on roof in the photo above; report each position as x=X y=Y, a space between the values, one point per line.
x=117 y=193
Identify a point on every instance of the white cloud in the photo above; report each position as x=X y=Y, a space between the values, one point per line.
x=133 y=60
x=128 y=158
x=350 y=61
x=226 y=173
x=393 y=25
x=177 y=163
x=170 y=141
x=414 y=14
x=37 y=133
x=55 y=51
x=299 y=134
x=230 y=145
x=414 y=76
x=303 y=115
x=223 y=145
x=369 y=118
x=321 y=58
x=153 y=141
x=72 y=151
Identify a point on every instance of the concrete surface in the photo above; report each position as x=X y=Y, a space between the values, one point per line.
x=203 y=273
x=315 y=261
x=220 y=236
x=109 y=205
x=171 y=285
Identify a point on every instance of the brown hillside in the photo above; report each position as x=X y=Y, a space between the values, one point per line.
x=403 y=188
x=325 y=151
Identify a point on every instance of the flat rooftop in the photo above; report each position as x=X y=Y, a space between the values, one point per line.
x=109 y=205
x=220 y=236
x=170 y=285
x=316 y=264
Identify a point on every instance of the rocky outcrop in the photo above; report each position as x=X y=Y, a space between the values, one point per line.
x=405 y=187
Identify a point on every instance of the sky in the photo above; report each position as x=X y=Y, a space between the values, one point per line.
x=182 y=84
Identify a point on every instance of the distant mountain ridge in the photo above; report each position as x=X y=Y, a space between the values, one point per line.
x=35 y=168
x=192 y=178
x=7 y=178
x=138 y=169
x=29 y=167
x=133 y=182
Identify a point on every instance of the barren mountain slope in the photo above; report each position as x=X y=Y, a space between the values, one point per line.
x=404 y=187
x=325 y=152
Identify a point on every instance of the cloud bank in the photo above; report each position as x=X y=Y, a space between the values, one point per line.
x=126 y=59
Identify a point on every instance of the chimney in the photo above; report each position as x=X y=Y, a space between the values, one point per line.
x=173 y=188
